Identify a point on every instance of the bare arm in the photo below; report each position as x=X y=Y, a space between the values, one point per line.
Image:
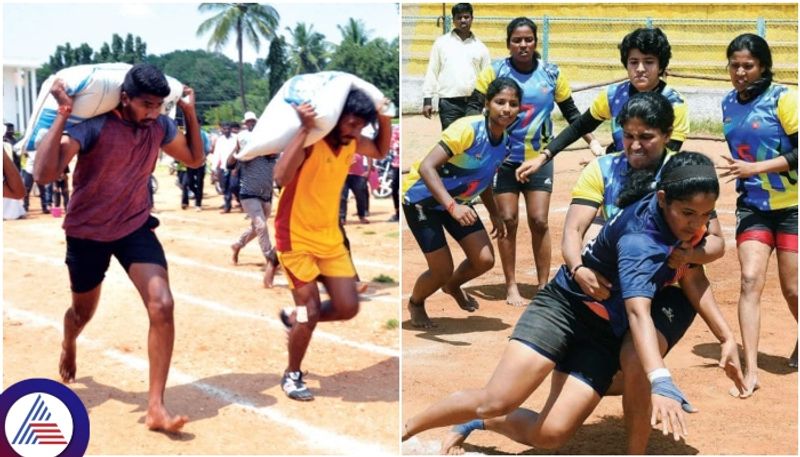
x=427 y=171
x=13 y=187
x=294 y=154
x=55 y=150
x=579 y=218
x=192 y=153
x=711 y=248
x=379 y=147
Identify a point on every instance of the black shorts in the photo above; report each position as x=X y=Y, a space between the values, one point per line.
x=580 y=342
x=428 y=226
x=672 y=314
x=505 y=180
x=88 y=260
x=776 y=228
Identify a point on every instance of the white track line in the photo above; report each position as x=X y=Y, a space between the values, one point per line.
x=315 y=437
x=179 y=260
x=116 y=275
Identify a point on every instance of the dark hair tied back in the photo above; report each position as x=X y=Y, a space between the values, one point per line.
x=759 y=49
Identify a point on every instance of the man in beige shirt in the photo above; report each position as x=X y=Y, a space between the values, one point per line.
x=456 y=60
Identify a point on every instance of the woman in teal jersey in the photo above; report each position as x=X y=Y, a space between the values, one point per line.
x=543 y=87
x=438 y=194
x=760 y=126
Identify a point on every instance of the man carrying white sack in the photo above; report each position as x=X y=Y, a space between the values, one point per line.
x=309 y=241
x=110 y=212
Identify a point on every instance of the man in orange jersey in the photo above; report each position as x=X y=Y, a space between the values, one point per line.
x=308 y=239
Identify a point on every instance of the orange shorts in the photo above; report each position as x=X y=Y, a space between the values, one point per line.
x=303 y=267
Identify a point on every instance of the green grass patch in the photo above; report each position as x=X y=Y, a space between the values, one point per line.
x=393 y=234
x=383 y=279
x=391 y=324
x=369 y=232
x=706 y=127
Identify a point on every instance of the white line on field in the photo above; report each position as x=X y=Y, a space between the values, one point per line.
x=314 y=436
x=116 y=275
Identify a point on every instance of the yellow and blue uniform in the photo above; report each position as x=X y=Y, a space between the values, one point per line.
x=473 y=161
x=541 y=89
x=601 y=182
x=308 y=238
x=759 y=130
x=611 y=99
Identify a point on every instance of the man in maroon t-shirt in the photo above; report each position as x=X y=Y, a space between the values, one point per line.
x=109 y=213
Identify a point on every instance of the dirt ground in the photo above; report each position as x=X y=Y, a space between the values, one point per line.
x=463 y=351
x=230 y=348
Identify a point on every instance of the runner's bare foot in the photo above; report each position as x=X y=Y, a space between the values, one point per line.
x=235 y=247
x=514 y=298
x=451 y=444
x=66 y=364
x=362 y=287
x=269 y=274
x=753 y=386
x=159 y=419
x=419 y=318
x=464 y=301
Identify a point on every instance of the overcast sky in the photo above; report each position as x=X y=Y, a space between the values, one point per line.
x=32 y=30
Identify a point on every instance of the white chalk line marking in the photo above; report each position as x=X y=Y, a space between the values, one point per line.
x=116 y=275
x=322 y=438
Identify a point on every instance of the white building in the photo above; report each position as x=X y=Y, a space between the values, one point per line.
x=19 y=91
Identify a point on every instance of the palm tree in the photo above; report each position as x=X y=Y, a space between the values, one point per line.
x=247 y=20
x=354 y=32
x=309 y=49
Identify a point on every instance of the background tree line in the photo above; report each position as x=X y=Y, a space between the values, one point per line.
x=220 y=81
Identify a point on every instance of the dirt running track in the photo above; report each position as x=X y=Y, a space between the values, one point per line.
x=230 y=348
x=463 y=351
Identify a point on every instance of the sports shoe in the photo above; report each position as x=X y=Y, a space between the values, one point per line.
x=294 y=387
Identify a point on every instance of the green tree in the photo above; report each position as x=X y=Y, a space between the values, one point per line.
x=309 y=51
x=354 y=32
x=276 y=63
x=140 y=49
x=246 y=20
x=377 y=62
x=83 y=54
x=128 y=54
x=116 y=48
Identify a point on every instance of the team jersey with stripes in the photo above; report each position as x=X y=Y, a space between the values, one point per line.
x=609 y=102
x=307 y=218
x=473 y=161
x=603 y=179
x=759 y=130
x=541 y=88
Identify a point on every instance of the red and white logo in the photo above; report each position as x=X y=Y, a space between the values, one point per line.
x=38 y=425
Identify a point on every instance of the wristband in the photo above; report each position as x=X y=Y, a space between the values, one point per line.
x=548 y=155
x=665 y=388
x=466 y=428
x=575 y=270
x=451 y=206
x=658 y=373
x=66 y=110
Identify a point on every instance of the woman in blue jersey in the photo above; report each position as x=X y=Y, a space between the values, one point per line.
x=760 y=126
x=437 y=196
x=543 y=86
x=647 y=122
x=566 y=330
x=645 y=54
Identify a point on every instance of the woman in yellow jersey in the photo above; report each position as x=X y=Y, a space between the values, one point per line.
x=308 y=238
x=760 y=126
x=543 y=86
x=438 y=194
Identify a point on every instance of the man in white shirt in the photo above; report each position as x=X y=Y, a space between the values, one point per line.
x=227 y=143
x=456 y=60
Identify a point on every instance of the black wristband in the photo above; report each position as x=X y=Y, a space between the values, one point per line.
x=575 y=270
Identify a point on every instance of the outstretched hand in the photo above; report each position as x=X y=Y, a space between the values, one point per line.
x=729 y=361
x=737 y=169
x=668 y=415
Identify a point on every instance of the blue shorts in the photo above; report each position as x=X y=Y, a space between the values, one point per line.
x=428 y=226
